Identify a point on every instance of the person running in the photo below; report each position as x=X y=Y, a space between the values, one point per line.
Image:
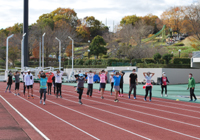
x=43 y=85
x=191 y=86
x=117 y=78
x=102 y=75
x=148 y=85
x=49 y=81
x=9 y=82
x=121 y=84
x=58 y=82
x=133 y=81
x=90 y=81
x=29 y=81
x=24 y=74
x=17 y=82
x=111 y=83
x=80 y=86
x=163 y=82
x=54 y=84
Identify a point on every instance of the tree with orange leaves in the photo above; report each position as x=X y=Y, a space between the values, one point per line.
x=36 y=49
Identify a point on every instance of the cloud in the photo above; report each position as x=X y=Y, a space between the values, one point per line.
x=11 y=11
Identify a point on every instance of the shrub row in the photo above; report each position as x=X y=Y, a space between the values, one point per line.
x=142 y=65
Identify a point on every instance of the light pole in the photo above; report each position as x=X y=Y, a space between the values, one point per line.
x=72 y=54
x=7 y=55
x=40 y=54
x=88 y=53
x=22 y=52
x=179 y=53
x=59 y=52
x=43 y=51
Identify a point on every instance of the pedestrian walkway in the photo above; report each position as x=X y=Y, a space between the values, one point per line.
x=174 y=91
x=9 y=128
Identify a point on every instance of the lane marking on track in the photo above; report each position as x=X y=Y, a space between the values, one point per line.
x=128 y=118
x=60 y=118
x=93 y=118
x=152 y=103
x=146 y=107
x=137 y=112
x=32 y=125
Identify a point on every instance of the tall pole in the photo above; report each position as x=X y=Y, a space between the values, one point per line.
x=7 y=54
x=25 y=30
x=22 y=52
x=43 y=51
x=72 y=54
x=40 y=54
x=59 y=53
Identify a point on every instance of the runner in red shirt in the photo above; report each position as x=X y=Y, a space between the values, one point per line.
x=163 y=82
x=49 y=81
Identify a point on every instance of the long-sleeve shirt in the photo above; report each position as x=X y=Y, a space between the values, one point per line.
x=58 y=77
x=191 y=83
x=29 y=80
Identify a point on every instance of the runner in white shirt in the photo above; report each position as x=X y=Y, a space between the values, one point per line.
x=58 y=81
x=29 y=81
x=148 y=85
x=90 y=81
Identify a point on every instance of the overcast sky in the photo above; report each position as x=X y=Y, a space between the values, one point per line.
x=11 y=11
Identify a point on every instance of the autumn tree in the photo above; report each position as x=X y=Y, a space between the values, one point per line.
x=129 y=20
x=36 y=49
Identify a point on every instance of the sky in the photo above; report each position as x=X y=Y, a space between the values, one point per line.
x=11 y=11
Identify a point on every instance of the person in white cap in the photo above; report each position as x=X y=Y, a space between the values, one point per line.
x=163 y=82
x=58 y=81
x=29 y=81
x=80 y=86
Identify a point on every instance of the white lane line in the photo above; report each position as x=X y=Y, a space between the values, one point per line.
x=32 y=125
x=149 y=108
x=60 y=119
x=97 y=119
x=138 y=111
x=130 y=119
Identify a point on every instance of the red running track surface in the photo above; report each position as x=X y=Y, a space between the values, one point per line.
x=103 y=118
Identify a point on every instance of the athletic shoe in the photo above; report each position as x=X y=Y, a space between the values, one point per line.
x=32 y=96
x=119 y=95
x=145 y=99
x=5 y=91
x=98 y=91
x=44 y=103
x=129 y=97
x=161 y=95
x=60 y=96
x=116 y=100
x=56 y=96
x=9 y=91
x=190 y=100
x=149 y=100
x=18 y=94
x=102 y=97
x=15 y=94
x=134 y=98
x=165 y=95
x=87 y=95
x=122 y=95
x=28 y=97
x=40 y=101
x=195 y=100
x=80 y=102
x=91 y=96
x=110 y=93
x=50 y=93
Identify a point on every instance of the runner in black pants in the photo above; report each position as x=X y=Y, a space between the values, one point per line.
x=191 y=86
x=17 y=82
x=58 y=81
x=90 y=81
x=132 y=83
x=54 y=85
x=80 y=86
x=111 y=83
x=9 y=82
x=24 y=74
x=121 y=84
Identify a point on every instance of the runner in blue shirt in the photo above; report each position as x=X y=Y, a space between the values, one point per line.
x=117 y=78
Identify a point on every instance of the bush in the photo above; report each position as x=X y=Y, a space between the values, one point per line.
x=161 y=61
x=179 y=44
x=88 y=62
x=31 y=63
x=157 y=56
x=167 y=57
x=79 y=62
x=181 y=60
x=17 y=63
x=142 y=65
x=105 y=56
x=86 y=66
x=148 y=60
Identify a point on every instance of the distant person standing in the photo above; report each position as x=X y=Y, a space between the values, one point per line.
x=24 y=75
x=58 y=82
x=49 y=81
x=191 y=86
x=116 y=77
x=148 y=86
x=133 y=80
x=163 y=82
x=29 y=81
x=9 y=81
x=111 y=83
x=90 y=81
x=121 y=85
x=17 y=82
x=102 y=76
x=80 y=86
x=54 y=84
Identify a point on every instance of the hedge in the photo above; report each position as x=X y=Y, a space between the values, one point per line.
x=87 y=66
x=181 y=60
x=148 y=60
x=142 y=65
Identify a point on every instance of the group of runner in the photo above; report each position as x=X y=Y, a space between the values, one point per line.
x=116 y=81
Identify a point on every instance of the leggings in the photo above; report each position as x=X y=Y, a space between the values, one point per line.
x=111 y=86
x=80 y=92
x=163 y=89
x=58 y=85
x=41 y=94
x=148 y=89
x=192 y=94
x=24 y=88
x=49 y=87
x=16 y=86
x=90 y=89
x=121 y=87
x=133 y=86
x=8 y=86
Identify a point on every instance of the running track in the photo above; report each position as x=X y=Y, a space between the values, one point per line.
x=104 y=119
